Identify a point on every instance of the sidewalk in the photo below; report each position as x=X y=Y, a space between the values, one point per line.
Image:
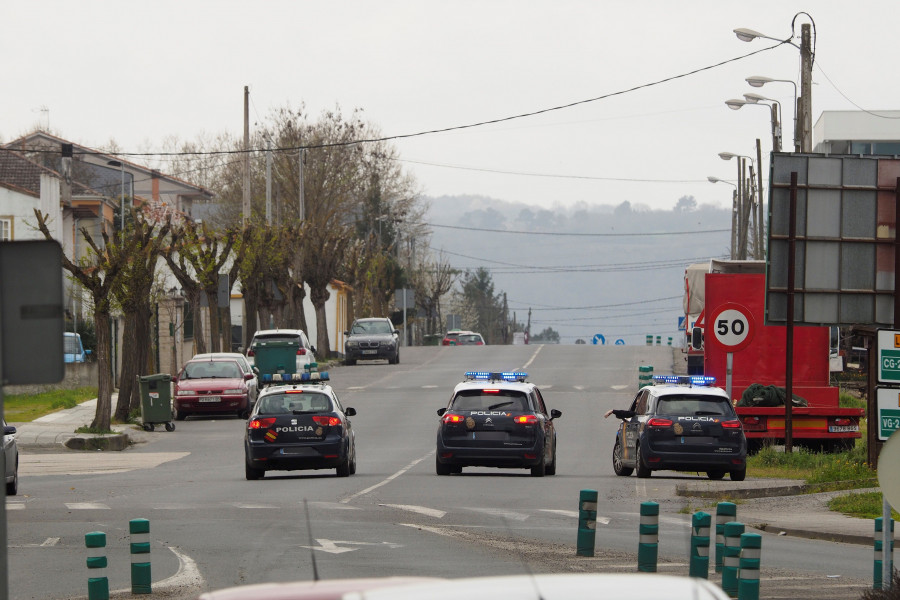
x=56 y=431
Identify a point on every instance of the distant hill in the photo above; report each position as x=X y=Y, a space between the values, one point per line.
x=624 y=284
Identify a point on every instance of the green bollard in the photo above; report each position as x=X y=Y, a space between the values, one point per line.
x=587 y=522
x=725 y=512
x=748 y=566
x=140 y=556
x=699 y=565
x=648 y=539
x=98 y=582
x=649 y=340
x=879 y=555
x=731 y=561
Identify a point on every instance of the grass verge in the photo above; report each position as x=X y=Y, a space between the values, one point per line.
x=21 y=408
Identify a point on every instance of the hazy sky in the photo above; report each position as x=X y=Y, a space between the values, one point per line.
x=137 y=72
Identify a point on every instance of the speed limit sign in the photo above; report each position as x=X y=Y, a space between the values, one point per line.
x=732 y=326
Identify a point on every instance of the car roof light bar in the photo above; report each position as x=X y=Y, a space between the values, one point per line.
x=316 y=376
x=699 y=380
x=496 y=376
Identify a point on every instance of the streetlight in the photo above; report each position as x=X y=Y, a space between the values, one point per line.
x=743 y=207
x=760 y=80
x=753 y=99
x=734 y=213
x=807 y=55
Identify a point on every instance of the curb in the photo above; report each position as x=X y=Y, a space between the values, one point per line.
x=766 y=492
x=847 y=538
x=118 y=441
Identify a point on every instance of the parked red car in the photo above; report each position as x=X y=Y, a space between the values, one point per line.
x=212 y=385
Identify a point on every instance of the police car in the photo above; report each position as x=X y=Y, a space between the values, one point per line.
x=496 y=420
x=680 y=423
x=301 y=425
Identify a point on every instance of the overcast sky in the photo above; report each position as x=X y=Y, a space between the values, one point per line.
x=137 y=72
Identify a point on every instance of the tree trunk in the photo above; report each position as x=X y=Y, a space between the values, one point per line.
x=319 y=297
x=251 y=307
x=225 y=314
x=131 y=368
x=104 y=377
x=199 y=339
x=212 y=298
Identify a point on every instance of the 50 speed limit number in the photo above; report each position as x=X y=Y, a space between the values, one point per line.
x=733 y=327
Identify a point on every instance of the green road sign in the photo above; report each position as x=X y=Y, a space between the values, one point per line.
x=888 y=346
x=889 y=422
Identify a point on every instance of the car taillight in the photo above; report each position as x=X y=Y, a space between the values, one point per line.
x=526 y=419
x=490 y=391
x=301 y=351
x=261 y=423
x=451 y=418
x=733 y=424
x=326 y=420
x=657 y=422
x=843 y=422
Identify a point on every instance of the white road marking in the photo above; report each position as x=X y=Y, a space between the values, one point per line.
x=565 y=513
x=334 y=506
x=332 y=547
x=349 y=499
x=533 y=356
x=497 y=512
x=15 y=505
x=251 y=505
x=619 y=387
x=49 y=542
x=422 y=510
x=186 y=578
x=172 y=506
x=86 y=506
x=579 y=387
x=429 y=387
x=356 y=387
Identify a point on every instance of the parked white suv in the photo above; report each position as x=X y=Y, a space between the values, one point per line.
x=305 y=354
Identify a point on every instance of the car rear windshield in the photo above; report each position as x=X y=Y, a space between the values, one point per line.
x=71 y=345
x=311 y=402
x=480 y=400
x=227 y=369
x=693 y=405
x=277 y=337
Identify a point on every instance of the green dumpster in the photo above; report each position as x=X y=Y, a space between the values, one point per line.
x=156 y=401
x=275 y=356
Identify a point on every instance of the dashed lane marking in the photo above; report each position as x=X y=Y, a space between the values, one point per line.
x=86 y=506
x=422 y=510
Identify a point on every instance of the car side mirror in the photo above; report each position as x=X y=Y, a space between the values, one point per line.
x=441 y=412
x=396 y=332
x=697 y=338
x=555 y=414
x=350 y=411
x=9 y=430
x=249 y=376
x=346 y=333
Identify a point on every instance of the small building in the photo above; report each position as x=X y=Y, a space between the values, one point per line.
x=857 y=132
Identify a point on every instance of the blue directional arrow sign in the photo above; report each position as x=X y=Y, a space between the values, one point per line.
x=599 y=339
x=620 y=342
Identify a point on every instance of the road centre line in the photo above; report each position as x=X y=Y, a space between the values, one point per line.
x=386 y=481
x=533 y=356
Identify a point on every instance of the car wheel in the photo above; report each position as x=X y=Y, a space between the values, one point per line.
x=244 y=414
x=353 y=461
x=12 y=487
x=551 y=468
x=442 y=469
x=396 y=360
x=349 y=361
x=716 y=474
x=738 y=475
x=180 y=415
x=618 y=464
x=540 y=469
x=252 y=473
x=643 y=471
x=343 y=469
x=456 y=469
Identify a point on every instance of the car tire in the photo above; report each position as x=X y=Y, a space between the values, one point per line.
x=715 y=474
x=738 y=475
x=180 y=415
x=253 y=473
x=353 y=460
x=551 y=468
x=456 y=469
x=540 y=469
x=643 y=471
x=343 y=470
x=442 y=469
x=12 y=487
x=618 y=461
x=349 y=361
x=244 y=414
x=396 y=360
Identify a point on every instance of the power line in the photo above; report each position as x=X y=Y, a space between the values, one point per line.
x=567 y=234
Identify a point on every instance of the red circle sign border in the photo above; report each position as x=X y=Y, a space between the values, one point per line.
x=751 y=326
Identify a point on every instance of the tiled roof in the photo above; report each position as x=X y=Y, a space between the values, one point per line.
x=18 y=171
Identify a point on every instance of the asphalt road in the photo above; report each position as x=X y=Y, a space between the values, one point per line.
x=210 y=528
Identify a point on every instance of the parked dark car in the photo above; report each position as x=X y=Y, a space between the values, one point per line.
x=370 y=339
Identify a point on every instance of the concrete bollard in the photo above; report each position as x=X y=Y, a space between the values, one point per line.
x=648 y=538
x=699 y=562
x=140 y=556
x=748 y=566
x=649 y=340
x=725 y=512
x=645 y=375
x=587 y=522
x=98 y=582
x=731 y=560
x=877 y=575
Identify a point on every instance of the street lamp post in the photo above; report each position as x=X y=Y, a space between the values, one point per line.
x=807 y=56
x=754 y=100
x=734 y=213
x=759 y=81
x=744 y=202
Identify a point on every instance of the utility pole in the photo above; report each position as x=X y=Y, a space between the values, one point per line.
x=806 y=63
x=300 y=179
x=268 y=181
x=245 y=208
x=761 y=227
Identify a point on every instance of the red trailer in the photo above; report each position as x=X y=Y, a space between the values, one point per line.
x=741 y=286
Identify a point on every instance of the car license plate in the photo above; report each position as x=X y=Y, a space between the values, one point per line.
x=302 y=451
x=370 y=351
x=210 y=399
x=842 y=428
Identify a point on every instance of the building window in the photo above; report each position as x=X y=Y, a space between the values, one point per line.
x=5 y=230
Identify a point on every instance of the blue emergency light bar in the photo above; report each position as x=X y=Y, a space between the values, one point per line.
x=495 y=376
x=316 y=376
x=699 y=380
